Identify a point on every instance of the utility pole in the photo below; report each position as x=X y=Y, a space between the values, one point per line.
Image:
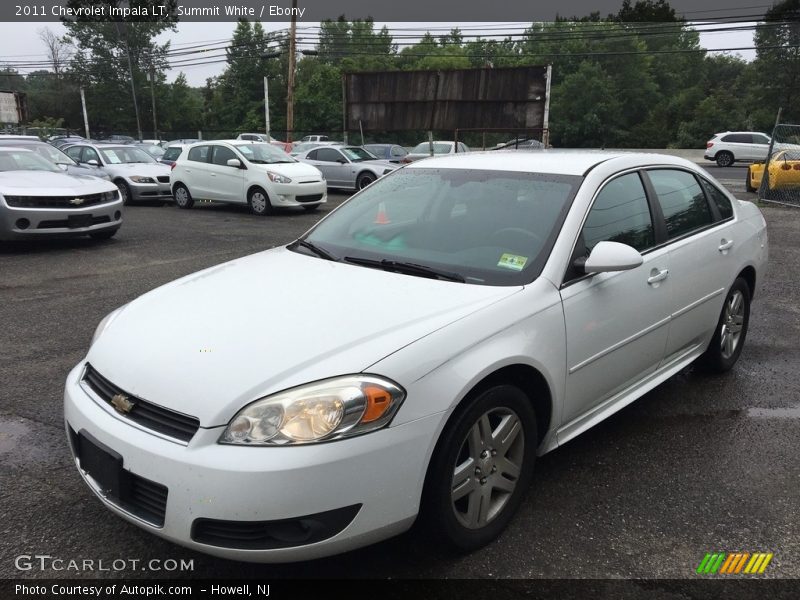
x=153 y=98
x=266 y=108
x=85 y=116
x=130 y=74
x=290 y=87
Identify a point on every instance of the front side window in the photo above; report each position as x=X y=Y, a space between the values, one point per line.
x=328 y=155
x=221 y=155
x=682 y=201
x=487 y=227
x=620 y=213
x=90 y=154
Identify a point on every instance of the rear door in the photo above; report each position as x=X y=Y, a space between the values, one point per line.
x=700 y=243
x=739 y=144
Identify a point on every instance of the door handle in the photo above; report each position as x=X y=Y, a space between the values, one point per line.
x=725 y=245
x=656 y=276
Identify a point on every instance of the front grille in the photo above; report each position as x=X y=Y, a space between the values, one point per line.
x=65 y=224
x=309 y=198
x=146 y=414
x=265 y=535
x=163 y=178
x=60 y=201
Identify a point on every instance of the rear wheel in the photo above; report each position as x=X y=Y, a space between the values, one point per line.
x=481 y=468
x=183 y=198
x=724 y=158
x=258 y=201
x=728 y=340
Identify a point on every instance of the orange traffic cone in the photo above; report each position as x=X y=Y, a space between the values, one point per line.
x=381 y=218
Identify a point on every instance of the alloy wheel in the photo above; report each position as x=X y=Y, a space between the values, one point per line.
x=732 y=324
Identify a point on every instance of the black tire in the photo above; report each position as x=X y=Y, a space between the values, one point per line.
x=717 y=357
x=444 y=516
x=747 y=185
x=106 y=234
x=364 y=180
x=183 y=199
x=724 y=159
x=124 y=191
x=311 y=208
x=258 y=201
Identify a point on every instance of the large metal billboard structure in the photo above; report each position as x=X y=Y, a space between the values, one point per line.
x=12 y=108
x=513 y=98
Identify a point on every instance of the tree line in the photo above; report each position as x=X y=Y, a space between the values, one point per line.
x=637 y=78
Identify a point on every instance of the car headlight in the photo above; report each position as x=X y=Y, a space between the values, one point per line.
x=138 y=179
x=110 y=196
x=318 y=412
x=105 y=322
x=277 y=178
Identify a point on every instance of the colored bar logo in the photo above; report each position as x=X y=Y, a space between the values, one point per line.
x=733 y=563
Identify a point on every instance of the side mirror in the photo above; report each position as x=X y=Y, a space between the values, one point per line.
x=341 y=161
x=234 y=162
x=63 y=167
x=609 y=257
x=93 y=162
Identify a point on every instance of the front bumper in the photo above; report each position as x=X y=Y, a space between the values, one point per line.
x=382 y=471
x=298 y=194
x=149 y=192
x=28 y=223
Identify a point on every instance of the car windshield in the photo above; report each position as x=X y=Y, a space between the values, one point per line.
x=125 y=155
x=51 y=153
x=264 y=154
x=154 y=151
x=438 y=148
x=172 y=153
x=356 y=154
x=25 y=160
x=485 y=227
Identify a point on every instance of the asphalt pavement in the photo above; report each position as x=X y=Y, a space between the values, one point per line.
x=701 y=464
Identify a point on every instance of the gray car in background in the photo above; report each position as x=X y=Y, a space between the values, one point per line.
x=347 y=167
x=54 y=155
x=137 y=175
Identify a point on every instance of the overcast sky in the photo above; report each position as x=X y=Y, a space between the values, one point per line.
x=20 y=41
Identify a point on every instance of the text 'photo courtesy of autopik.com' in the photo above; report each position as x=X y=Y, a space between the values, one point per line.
x=399 y=300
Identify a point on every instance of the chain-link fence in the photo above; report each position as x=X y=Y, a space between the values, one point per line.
x=778 y=178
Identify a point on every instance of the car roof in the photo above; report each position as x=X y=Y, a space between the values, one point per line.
x=558 y=162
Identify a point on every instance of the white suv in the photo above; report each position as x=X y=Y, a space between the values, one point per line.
x=730 y=146
x=238 y=171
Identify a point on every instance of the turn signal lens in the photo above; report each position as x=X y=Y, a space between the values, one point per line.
x=322 y=411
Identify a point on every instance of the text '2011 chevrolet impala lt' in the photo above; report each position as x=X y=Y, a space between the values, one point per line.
x=481 y=311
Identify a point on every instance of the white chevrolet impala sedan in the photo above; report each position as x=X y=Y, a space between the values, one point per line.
x=480 y=310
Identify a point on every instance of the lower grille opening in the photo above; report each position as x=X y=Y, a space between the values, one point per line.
x=309 y=198
x=265 y=535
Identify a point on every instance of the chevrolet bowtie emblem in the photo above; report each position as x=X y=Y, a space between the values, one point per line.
x=76 y=201
x=122 y=404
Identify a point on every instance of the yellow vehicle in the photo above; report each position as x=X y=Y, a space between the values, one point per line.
x=784 y=172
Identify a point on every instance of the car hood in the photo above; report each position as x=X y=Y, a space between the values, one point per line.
x=298 y=170
x=140 y=169
x=210 y=343
x=85 y=171
x=45 y=183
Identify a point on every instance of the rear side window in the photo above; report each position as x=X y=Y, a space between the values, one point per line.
x=199 y=153
x=620 y=213
x=682 y=201
x=721 y=201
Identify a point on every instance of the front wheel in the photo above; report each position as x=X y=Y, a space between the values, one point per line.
x=364 y=180
x=728 y=340
x=747 y=182
x=124 y=191
x=258 y=201
x=481 y=468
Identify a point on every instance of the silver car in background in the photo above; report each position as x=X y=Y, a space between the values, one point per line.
x=38 y=199
x=137 y=175
x=347 y=167
x=54 y=155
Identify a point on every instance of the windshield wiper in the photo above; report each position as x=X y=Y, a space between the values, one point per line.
x=408 y=268
x=282 y=162
x=321 y=252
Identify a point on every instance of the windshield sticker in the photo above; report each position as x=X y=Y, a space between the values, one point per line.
x=112 y=157
x=513 y=262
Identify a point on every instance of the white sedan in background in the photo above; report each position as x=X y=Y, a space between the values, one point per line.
x=480 y=310
x=240 y=171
